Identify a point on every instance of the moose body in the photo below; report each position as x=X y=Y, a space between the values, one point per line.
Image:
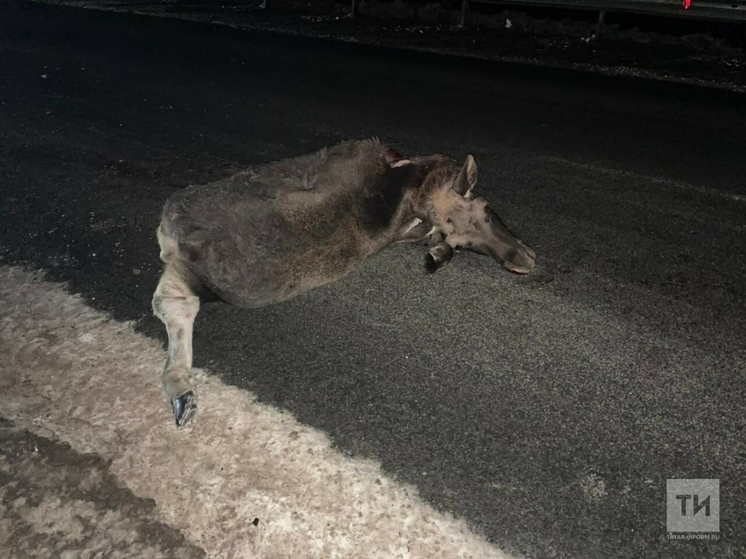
x=277 y=230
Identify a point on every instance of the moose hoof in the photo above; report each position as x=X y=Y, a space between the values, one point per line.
x=438 y=257
x=431 y=266
x=185 y=408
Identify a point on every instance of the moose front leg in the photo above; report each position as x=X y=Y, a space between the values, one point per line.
x=176 y=305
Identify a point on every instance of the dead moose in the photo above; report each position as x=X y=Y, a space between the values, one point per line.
x=277 y=230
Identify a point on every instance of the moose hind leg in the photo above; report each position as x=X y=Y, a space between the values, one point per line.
x=176 y=305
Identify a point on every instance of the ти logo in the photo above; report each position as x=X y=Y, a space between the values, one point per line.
x=693 y=505
x=697 y=506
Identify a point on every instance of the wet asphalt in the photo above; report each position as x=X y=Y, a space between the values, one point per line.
x=547 y=410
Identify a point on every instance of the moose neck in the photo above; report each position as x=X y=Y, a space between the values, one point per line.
x=387 y=207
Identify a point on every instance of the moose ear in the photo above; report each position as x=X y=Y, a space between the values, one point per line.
x=467 y=178
x=394 y=158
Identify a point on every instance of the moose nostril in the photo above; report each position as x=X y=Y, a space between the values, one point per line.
x=528 y=249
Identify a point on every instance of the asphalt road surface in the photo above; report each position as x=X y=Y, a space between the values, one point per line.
x=549 y=410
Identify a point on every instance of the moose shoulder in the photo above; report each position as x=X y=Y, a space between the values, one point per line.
x=277 y=230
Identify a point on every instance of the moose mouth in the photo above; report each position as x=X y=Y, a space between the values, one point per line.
x=519 y=259
x=505 y=248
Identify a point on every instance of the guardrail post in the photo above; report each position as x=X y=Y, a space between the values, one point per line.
x=464 y=13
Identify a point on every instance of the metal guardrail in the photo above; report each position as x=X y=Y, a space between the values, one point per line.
x=692 y=9
x=709 y=10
